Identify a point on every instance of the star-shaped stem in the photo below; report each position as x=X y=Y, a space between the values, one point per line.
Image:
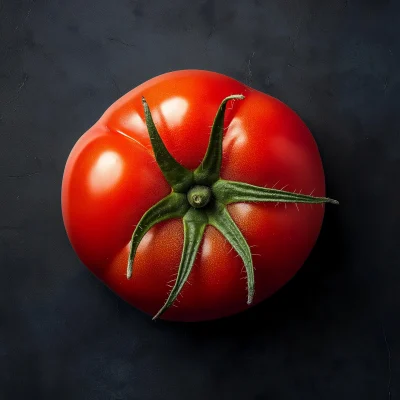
x=200 y=197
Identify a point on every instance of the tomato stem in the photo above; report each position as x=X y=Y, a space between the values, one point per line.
x=200 y=197
x=194 y=223
x=221 y=220
x=173 y=206
x=208 y=171
x=179 y=177
x=228 y=192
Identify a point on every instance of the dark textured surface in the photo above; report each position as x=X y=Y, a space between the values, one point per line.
x=333 y=332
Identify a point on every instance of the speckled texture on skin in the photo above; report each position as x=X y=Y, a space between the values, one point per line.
x=332 y=332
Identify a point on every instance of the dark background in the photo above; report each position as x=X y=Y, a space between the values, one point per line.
x=333 y=332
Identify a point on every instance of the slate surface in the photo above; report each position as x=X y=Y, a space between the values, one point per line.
x=333 y=332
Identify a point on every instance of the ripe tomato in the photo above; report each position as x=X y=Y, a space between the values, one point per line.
x=112 y=178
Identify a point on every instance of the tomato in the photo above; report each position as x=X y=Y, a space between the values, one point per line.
x=113 y=177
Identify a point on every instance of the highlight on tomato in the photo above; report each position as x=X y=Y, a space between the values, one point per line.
x=194 y=196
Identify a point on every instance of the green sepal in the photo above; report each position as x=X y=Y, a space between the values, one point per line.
x=228 y=192
x=194 y=223
x=223 y=222
x=178 y=177
x=172 y=206
x=209 y=170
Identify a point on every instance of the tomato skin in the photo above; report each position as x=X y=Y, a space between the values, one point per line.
x=111 y=179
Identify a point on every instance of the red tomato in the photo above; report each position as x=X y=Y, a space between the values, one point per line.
x=111 y=179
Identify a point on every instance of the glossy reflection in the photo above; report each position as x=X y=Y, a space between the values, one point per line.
x=236 y=134
x=136 y=123
x=174 y=110
x=207 y=247
x=106 y=172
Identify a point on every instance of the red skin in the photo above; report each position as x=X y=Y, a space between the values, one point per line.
x=111 y=179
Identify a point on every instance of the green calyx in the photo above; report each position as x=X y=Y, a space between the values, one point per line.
x=200 y=198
